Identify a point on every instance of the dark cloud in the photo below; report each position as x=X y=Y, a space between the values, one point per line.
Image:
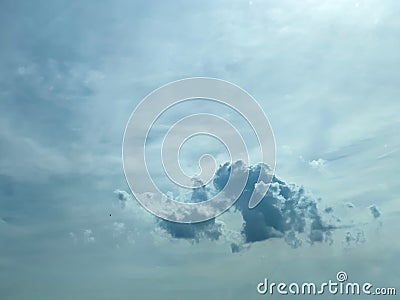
x=208 y=229
x=123 y=197
x=375 y=211
x=354 y=237
x=287 y=211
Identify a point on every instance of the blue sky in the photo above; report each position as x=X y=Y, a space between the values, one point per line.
x=325 y=72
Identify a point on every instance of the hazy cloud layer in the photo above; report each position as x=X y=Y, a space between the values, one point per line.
x=326 y=73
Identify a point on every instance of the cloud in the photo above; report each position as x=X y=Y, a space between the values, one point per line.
x=118 y=228
x=73 y=237
x=85 y=236
x=356 y=237
x=317 y=164
x=123 y=197
x=88 y=236
x=286 y=212
x=208 y=229
x=375 y=211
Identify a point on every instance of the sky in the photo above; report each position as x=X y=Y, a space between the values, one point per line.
x=72 y=72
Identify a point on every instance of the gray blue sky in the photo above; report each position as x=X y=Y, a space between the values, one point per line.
x=71 y=72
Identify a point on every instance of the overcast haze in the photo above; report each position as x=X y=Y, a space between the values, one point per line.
x=71 y=72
